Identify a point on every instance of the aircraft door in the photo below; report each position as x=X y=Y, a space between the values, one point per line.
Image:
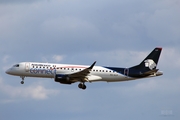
x=126 y=72
x=27 y=67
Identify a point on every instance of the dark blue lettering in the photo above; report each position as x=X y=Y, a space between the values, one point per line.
x=41 y=71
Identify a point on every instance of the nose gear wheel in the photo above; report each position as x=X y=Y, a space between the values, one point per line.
x=22 y=77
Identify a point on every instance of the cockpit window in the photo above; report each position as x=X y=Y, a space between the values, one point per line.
x=17 y=65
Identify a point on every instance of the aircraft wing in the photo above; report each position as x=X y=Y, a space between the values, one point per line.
x=81 y=75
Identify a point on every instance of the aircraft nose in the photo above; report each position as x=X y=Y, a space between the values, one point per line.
x=8 y=71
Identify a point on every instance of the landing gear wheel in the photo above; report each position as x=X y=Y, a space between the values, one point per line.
x=82 y=86
x=22 y=77
x=22 y=82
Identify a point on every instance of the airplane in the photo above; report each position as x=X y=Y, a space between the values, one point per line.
x=68 y=73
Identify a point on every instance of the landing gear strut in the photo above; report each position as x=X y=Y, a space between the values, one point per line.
x=82 y=86
x=22 y=77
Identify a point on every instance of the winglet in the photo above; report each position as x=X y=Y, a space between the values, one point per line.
x=92 y=65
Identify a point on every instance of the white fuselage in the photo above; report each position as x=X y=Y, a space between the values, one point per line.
x=48 y=70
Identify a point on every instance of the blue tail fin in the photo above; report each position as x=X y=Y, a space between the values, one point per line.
x=147 y=66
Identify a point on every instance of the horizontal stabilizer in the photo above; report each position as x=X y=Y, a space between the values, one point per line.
x=151 y=72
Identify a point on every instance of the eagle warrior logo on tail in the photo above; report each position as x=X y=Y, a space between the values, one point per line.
x=150 y=63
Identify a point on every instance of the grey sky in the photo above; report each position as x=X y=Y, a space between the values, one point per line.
x=114 y=33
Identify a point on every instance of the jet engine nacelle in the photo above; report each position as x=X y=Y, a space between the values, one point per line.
x=64 y=79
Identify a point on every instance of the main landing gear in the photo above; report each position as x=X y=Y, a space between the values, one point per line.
x=82 y=86
x=22 y=77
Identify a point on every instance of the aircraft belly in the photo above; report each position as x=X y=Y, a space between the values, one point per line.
x=116 y=78
x=112 y=78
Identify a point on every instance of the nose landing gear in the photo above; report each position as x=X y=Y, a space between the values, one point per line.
x=22 y=82
x=82 y=86
x=22 y=77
